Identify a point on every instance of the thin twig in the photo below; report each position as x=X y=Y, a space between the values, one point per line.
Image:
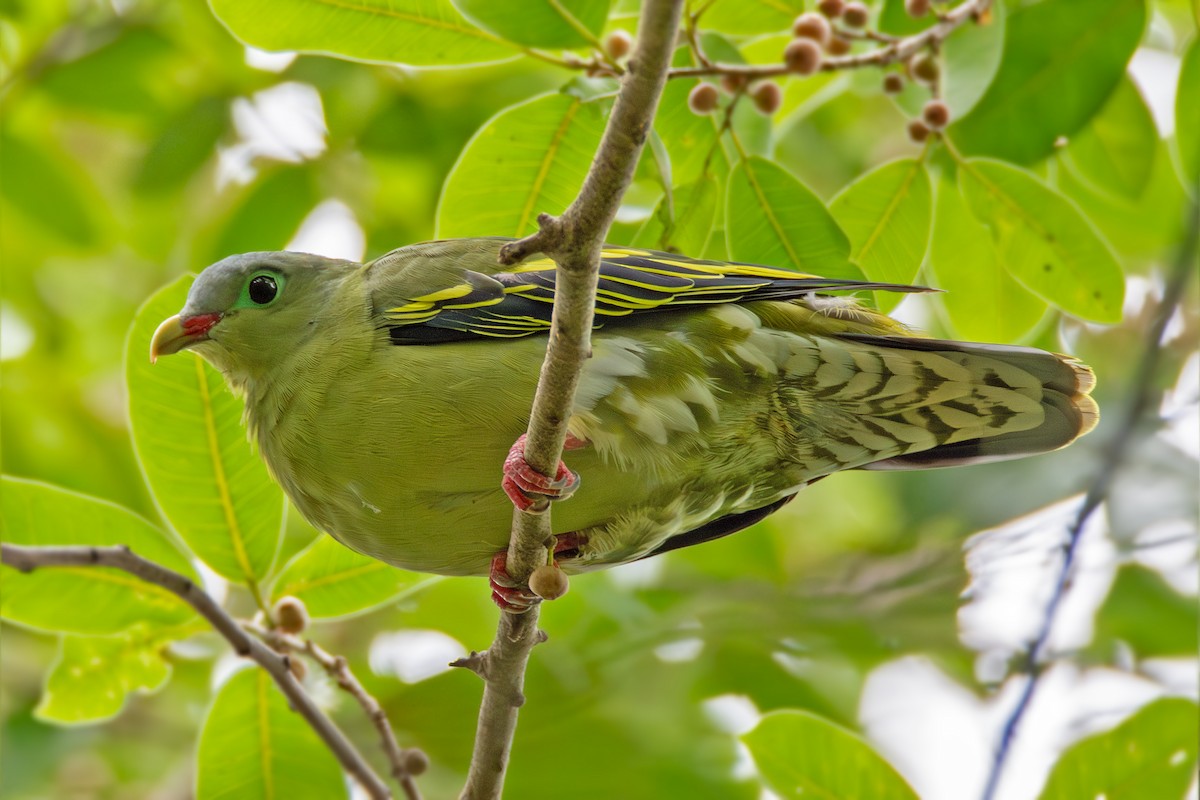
x=889 y=53
x=28 y=559
x=574 y=241
x=1141 y=400
x=339 y=669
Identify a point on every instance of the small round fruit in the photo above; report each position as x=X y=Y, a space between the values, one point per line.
x=733 y=83
x=415 y=761
x=831 y=8
x=924 y=68
x=917 y=131
x=856 y=15
x=936 y=114
x=802 y=56
x=703 y=98
x=812 y=25
x=547 y=582
x=893 y=83
x=916 y=8
x=290 y=615
x=767 y=97
x=618 y=44
x=838 y=46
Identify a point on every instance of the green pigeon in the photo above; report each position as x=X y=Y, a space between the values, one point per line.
x=386 y=398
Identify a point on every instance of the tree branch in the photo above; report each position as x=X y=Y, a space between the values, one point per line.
x=890 y=53
x=27 y=559
x=574 y=241
x=1141 y=400
x=338 y=669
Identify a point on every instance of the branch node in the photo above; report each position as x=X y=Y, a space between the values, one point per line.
x=475 y=662
x=548 y=240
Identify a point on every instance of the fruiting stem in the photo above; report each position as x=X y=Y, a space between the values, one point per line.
x=28 y=559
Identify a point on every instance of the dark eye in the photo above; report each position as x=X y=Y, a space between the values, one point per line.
x=262 y=289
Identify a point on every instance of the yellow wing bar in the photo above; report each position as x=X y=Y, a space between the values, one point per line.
x=632 y=282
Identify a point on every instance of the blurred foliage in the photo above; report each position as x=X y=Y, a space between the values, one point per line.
x=140 y=140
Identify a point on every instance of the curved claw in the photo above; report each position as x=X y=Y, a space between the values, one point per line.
x=507 y=593
x=530 y=490
x=514 y=597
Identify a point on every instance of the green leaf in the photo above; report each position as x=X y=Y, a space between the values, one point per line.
x=969 y=60
x=1062 y=59
x=539 y=23
x=1143 y=611
x=44 y=187
x=187 y=141
x=684 y=222
x=691 y=139
x=94 y=674
x=1115 y=152
x=334 y=581
x=887 y=214
x=971 y=57
x=1150 y=755
x=1187 y=113
x=749 y=16
x=136 y=75
x=187 y=429
x=253 y=745
x=88 y=600
x=801 y=754
x=528 y=159
x=419 y=33
x=774 y=219
x=1140 y=228
x=1043 y=239
x=982 y=301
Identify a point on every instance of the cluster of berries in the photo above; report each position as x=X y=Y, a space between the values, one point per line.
x=815 y=37
x=815 y=34
x=766 y=96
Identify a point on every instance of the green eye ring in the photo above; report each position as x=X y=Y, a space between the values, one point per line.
x=262 y=289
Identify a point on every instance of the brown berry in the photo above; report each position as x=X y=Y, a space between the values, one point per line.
x=916 y=8
x=936 y=114
x=547 y=582
x=917 y=131
x=838 y=46
x=767 y=97
x=924 y=68
x=290 y=615
x=415 y=761
x=703 y=98
x=831 y=8
x=802 y=56
x=733 y=83
x=893 y=83
x=297 y=667
x=856 y=15
x=618 y=44
x=812 y=26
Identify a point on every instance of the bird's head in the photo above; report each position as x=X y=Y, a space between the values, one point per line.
x=245 y=312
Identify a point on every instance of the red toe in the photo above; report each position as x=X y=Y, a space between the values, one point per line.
x=529 y=489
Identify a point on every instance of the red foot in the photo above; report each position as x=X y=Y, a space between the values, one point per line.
x=530 y=490
x=516 y=598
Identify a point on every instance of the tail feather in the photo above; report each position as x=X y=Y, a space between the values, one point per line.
x=1059 y=384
